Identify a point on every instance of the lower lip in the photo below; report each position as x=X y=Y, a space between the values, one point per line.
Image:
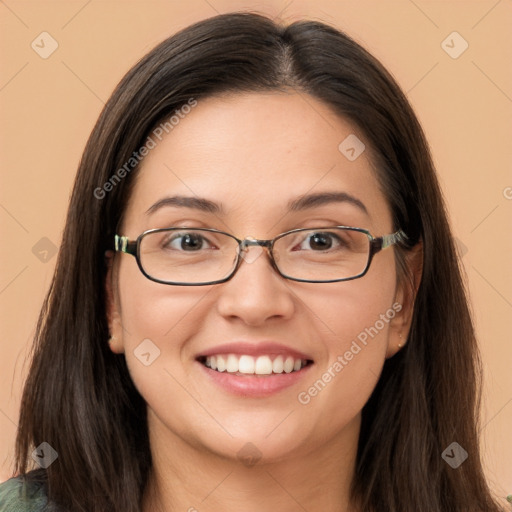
x=255 y=385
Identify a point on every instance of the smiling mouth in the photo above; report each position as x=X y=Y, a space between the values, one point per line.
x=264 y=365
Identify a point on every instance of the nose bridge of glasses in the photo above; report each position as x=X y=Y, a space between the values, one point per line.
x=250 y=241
x=252 y=256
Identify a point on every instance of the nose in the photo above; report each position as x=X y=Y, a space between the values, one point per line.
x=256 y=293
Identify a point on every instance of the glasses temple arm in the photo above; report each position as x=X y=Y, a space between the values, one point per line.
x=123 y=244
x=388 y=240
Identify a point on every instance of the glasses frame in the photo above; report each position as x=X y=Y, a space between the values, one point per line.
x=377 y=244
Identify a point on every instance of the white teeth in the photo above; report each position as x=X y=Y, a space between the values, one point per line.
x=232 y=363
x=262 y=365
x=288 y=364
x=221 y=364
x=246 y=364
x=277 y=365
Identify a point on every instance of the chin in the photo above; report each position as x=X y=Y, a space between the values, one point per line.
x=253 y=447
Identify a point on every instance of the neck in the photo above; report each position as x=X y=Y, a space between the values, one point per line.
x=194 y=479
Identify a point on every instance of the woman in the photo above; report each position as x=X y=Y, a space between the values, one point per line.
x=257 y=303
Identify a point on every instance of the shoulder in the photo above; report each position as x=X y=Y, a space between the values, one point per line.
x=22 y=494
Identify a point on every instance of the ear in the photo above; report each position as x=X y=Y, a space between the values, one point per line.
x=405 y=297
x=113 y=305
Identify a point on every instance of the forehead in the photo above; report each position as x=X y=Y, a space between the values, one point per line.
x=254 y=153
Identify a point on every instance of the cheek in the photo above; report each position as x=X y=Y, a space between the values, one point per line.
x=153 y=310
x=353 y=322
x=157 y=321
x=346 y=311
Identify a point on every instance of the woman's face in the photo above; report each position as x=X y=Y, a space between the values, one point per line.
x=253 y=154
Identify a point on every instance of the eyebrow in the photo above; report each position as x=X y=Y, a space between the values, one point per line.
x=197 y=203
x=304 y=202
x=322 y=198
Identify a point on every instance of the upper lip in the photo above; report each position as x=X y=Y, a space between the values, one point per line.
x=254 y=349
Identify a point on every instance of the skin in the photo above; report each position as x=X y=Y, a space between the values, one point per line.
x=253 y=153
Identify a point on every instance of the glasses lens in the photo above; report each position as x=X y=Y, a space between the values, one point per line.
x=322 y=254
x=187 y=255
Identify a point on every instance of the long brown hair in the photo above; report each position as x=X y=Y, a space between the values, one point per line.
x=79 y=396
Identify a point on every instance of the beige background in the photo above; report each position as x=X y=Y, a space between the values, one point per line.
x=48 y=108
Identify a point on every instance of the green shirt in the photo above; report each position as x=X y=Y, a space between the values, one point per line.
x=17 y=495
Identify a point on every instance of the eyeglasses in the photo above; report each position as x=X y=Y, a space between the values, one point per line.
x=197 y=256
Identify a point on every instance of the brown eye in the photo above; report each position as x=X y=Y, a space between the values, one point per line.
x=188 y=242
x=321 y=241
